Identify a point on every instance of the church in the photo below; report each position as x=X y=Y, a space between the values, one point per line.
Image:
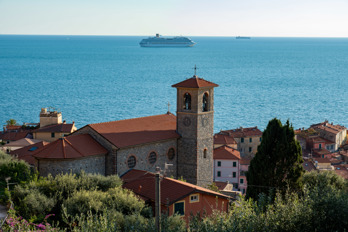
x=180 y=145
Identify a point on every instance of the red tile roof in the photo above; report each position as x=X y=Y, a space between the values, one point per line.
x=221 y=185
x=26 y=153
x=245 y=161
x=326 y=126
x=226 y=152
x=58 y=128
x=71 y=147
x=224 y=139
x=142 y=183
x=13 y=136
x=308 y=166
x=22 y=142
x=243 y=132
x=322 y=160
x=136 y=131
x=195 y=82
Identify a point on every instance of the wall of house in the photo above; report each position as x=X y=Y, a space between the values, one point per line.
x=207 y=203
x=47 y=136
x=90 y=164
x=243 y=186
x=142 y=153
x=226 y=169
x=244 y=146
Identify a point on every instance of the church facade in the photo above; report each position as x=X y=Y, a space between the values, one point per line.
x=181 y=145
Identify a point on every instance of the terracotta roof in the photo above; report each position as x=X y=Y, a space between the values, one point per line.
x=226 y=152
x=13 y=127
x=142 y=183
x=135 y=131
x=26 y=153
x=322 y=160
x=322 y=151
x=71 y=147
x=221 y=185
x=243 y=132
x=22 y=142
x=13 y=136
x=58 y=128
x=326 y=126
x=195 y=82
x=224 y=139
x=308 y=166
x=245 y=161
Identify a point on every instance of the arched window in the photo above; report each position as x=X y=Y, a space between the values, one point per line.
x=171 y=154
x=187 y=101
x=205 y=153
x=205 y=102
x=152 y=158
x=132 y=161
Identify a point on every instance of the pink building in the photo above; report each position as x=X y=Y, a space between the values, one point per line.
x=244 y=166
x=226 y=165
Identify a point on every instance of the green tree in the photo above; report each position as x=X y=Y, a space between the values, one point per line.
x=277 y=165
x=11 y=122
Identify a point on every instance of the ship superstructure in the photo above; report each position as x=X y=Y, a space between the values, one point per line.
x=159 y=41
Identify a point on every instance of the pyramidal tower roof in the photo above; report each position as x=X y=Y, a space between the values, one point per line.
x=195 y=82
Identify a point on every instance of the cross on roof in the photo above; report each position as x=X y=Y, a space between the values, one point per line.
x=168 y=107
x=195 y=68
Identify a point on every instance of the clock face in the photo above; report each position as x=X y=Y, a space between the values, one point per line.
x=187 y=121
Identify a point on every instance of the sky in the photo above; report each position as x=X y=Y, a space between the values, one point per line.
x=279 y=18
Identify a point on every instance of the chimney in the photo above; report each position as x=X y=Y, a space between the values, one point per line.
x=64 y=122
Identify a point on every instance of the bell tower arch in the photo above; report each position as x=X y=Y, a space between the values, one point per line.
x=195 y=124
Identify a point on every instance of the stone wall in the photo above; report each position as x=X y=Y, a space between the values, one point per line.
x=90 y=164
x=111 y=159
x=142 y=153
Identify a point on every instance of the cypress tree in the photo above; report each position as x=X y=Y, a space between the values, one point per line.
x=277 y=165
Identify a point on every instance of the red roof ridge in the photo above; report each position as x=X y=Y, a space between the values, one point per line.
x=73 y=147
x=129 y=119
x=195 y=82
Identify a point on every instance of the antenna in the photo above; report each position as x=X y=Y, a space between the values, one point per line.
x=195 y=68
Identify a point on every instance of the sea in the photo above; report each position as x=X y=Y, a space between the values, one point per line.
x=93 y=79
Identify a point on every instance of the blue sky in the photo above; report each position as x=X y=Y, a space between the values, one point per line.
x=298 y=18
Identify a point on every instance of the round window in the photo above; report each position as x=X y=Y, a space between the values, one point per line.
x=152 y=158
x=131 y=161
x=171 y=154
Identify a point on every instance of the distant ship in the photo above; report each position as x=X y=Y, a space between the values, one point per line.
x=243 y=37
x=158 y=41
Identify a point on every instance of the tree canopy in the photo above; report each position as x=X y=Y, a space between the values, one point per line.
x=277 y=164
x=11 y=122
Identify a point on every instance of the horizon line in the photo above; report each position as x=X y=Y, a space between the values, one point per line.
x=228 y=36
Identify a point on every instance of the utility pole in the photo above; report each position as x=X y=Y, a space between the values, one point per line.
x=158 y=200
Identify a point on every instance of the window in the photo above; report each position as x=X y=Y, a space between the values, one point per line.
x=241 y=181
x=332 y=146
x=234 y=164
x=33 y=148
x=328 y=147
x=219 y=174
x=260 y=139
x=205 y=102
x=242 y=140
x=250 y=149
x=205 y=153
x=171 y=154
x=319 y=145
x=219 y=163
x=187 y=101
x=243 y=191
x=131 y=162
x=179 y=208
x=53 y=135
x=152 y=157
x=250 y=140
x=234 y=174
x=194 y=198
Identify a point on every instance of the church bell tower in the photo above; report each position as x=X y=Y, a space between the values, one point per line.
x=195 y=124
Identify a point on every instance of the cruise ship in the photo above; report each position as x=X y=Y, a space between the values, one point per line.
x=159 y=41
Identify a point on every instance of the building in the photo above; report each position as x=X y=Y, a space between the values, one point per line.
x=331 y=132
x=226 y=165
x=224 y=139
x=26 y=153
x=71 y=154
x=184 y=141
x=14 y=145
x=244 y=167
x=52 y=127
x=248 y=139
x=176 y=196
